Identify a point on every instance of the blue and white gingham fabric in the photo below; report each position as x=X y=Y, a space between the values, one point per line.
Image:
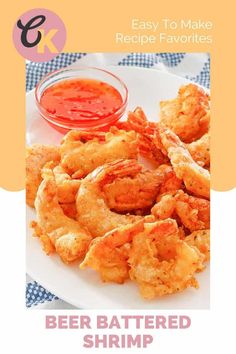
x=193 y=66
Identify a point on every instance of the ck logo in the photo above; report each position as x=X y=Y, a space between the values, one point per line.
x=39 y=35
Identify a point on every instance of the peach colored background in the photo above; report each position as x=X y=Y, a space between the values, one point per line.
x=92 y=28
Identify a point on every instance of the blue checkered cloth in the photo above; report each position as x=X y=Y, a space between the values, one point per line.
x=193 y=66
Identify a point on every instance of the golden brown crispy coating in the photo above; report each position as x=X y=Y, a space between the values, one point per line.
x=191 y=212
x=36 y=157
x=69 y=239
x=108 y=255
x=200 y=150
x=195 y=177
x=82 y=152
x=188 y=115
x=201 y=240
x=161 y=263
x=87 y=187
x=138 y=192
x=93 y=211
x=149 y=149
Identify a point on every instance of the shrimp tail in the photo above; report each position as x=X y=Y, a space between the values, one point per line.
x=138 y=121
x=116 y=169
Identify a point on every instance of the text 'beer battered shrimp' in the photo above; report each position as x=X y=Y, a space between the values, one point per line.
x=97 y=204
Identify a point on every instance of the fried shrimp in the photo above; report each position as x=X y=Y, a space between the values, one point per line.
x=201 y=240
x=171 y=182
x=192 y=212
x=150 y=145
x=67 y=187
x=36 y=157
x=161 y=263
x=108 y=255
x=195 y=177
x=140 y=191
x=149 y=149
x=200 y=150
x=93 y=211
x=97 y=204
x=82 y=152
x=65 y=235
x=165 y=207
x=188 y=115
x=127 y=194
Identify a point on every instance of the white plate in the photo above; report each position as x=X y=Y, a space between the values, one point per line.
x=83 y=289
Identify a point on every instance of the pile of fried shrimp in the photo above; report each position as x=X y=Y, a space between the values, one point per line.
x=98 y=205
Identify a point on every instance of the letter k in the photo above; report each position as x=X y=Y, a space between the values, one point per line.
x=46 y=40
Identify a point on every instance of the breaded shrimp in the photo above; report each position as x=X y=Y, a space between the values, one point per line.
x=192 y=212
x=67 y=187
x=149 y=149
x=36 y=157
x=165 y=207
x=195 y=177
x=93 y=211
x=82 y=152
x=150 y=145
x=140 y=191
x=123 y=194
x=108 y=255
x=200 y=150
x=171 y=182
x=201 y=240
x=161 y=263
x=188 y=115
x=67 y=237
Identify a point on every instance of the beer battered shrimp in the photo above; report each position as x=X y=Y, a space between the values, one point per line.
x=150 y=145
x=108 y=255
x=171 y=182
x=82 y=152
x=201 y=240
x=36 y=157
x=140 y=191
x=192 y=212
x=200 y=150
x=195 y=177
x=188 y=115
x=161 y=263
x=123 y=194
x=57 y=231
x=92 y=208
x=67 y=187
x=165 y=207
x=148 y=148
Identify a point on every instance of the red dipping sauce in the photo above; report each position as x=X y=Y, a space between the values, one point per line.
x=68 y=100
x=77 y=99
